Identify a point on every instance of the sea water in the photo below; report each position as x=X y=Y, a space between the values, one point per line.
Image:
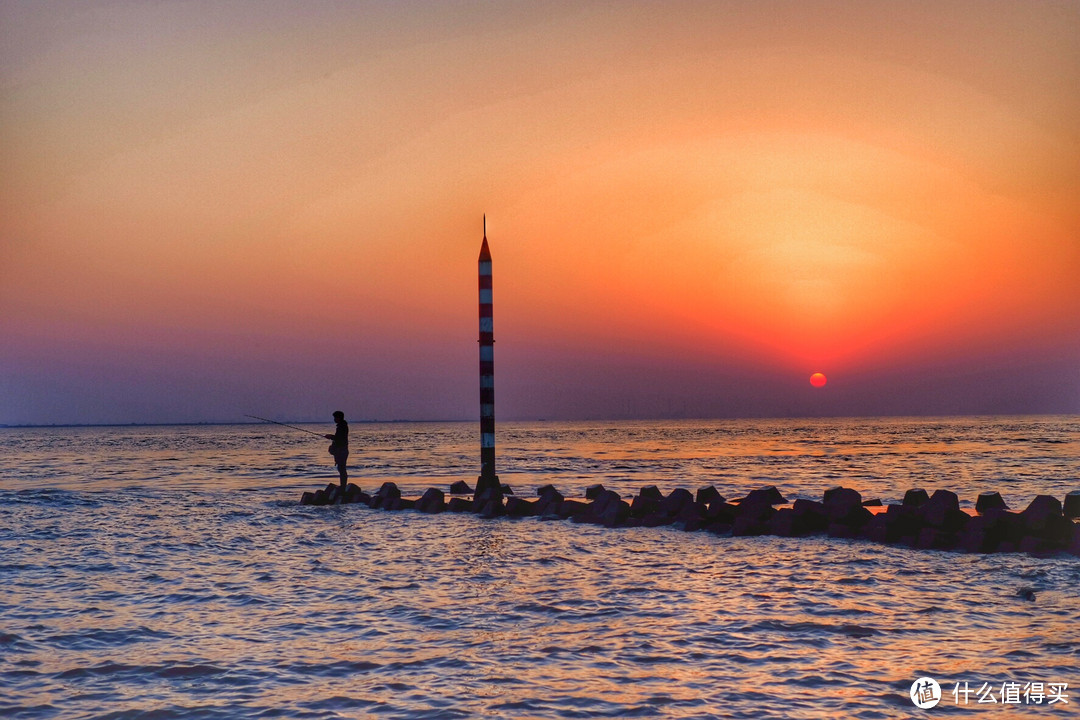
x=170 y=572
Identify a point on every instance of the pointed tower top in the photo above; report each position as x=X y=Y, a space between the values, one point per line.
x=485 y=254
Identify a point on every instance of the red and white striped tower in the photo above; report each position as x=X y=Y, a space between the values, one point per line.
x=488 y=478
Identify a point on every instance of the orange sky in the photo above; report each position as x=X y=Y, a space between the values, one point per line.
x=211 y=210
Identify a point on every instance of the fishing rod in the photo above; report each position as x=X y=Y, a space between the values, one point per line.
x=310 y=432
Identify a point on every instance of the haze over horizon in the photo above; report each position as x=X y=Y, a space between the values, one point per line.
x=210 y=210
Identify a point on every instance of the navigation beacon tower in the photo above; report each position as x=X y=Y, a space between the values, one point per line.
x=488 y=478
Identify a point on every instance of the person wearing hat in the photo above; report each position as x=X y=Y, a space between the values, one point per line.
x=339 y=448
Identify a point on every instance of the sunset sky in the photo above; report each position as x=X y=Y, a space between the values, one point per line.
x=213 y=209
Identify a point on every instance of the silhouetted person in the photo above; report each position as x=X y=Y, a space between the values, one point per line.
x=339 y=448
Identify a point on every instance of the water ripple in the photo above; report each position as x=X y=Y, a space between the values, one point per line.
x=213 y=594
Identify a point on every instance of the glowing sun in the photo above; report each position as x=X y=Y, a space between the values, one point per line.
x=818 y=379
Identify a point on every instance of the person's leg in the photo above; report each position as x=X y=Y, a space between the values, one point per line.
x=343 y=473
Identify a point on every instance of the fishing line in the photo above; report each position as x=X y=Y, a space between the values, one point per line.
x=310 y=432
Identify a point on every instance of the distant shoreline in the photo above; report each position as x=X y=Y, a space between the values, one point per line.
x=33 y=426
x=205 y=424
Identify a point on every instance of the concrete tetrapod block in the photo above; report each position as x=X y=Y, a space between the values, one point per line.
x=1071 y=506
x=692 y=517
x=877 y=529
x=674 y=503
x=307 y=498
x=642 y=506
x=721 y=512
x=842 y=506
x=460 y=488
x=785 y=523
x=484 y=497
x=768 y=494
x=597 y=510
x=990 y=501
x=840 y=494
x=520 y=507
x=651 y=492
x=755 y=508
x=810 y=517
x=942 y=511
x=332 y=492
x=549 y=502
x=593 y=491
x=572 y=508
x=934 y=539
x=1011 y=527
x=845 y=512
x=385 y=496
x=1040 y=515
x=433 y=501
x=1042 y=520
x=459 y=505
x=748 y=525
x=899 y=522
x=353 y=493
x=973 y=540
x=752 y=515
x=994 y=531
x=493 y=507
x=653 y=519
x=985 y=533
x=916 y=497
x=615 y=513
x=602 y=500
x=707 y=495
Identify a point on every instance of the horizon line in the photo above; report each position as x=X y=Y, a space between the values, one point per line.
x=401 y=421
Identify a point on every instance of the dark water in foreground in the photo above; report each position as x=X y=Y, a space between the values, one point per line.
x=170 y=573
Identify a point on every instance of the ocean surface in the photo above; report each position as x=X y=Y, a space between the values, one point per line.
x=169 y=572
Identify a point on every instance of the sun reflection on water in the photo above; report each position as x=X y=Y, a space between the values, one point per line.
x=144 y=596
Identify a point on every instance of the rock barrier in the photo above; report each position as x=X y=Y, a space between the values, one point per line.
x=922 y=520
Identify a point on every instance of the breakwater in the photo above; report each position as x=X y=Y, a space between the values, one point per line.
x=924 y=521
